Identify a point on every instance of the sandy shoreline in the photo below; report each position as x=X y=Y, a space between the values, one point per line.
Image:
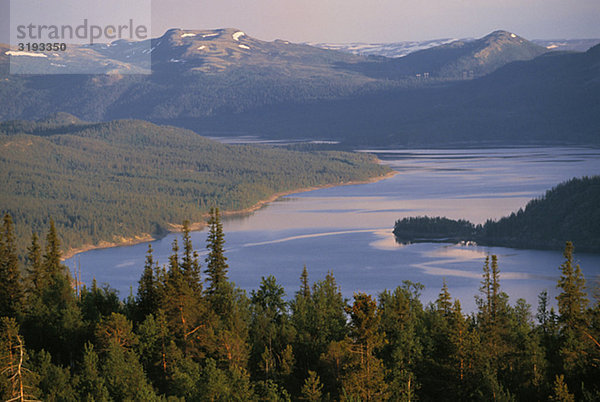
x=173 y=228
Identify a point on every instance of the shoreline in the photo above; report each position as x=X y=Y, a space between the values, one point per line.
x=196 y=226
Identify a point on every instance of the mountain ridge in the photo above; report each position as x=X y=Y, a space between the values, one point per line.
x=282 y=90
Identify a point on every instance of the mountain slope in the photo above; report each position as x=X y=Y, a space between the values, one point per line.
x=553 y=99
x=456 y=60
x=194 y=74
x=223 y=82
x=105 y=181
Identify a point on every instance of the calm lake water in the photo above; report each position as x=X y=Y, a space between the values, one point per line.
x=348 y=229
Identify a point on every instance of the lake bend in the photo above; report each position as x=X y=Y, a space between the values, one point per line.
x=348 y=229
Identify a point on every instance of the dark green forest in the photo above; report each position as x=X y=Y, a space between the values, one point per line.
x=568 y=211
x=190 y=334
x=120 y=179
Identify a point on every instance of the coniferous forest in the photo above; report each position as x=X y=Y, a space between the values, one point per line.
x=113 y=181
x=190 y=334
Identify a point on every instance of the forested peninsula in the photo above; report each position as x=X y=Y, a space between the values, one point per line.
x=568 y=212
x=130 y=180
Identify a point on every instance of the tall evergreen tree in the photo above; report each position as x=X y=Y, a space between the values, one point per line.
x=147 y=294
x=444 y=300
x=190 y=266
x=53 y=321
x=11 y=287
x=365 y=377
x=52 y=263
x=216 y=262
x=34 y=261
x=572 y=300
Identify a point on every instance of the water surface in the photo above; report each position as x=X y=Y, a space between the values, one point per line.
x=348 y=229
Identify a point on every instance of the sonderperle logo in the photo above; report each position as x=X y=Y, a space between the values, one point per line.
x=80 y=37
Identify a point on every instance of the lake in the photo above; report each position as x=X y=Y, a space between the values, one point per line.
x=348 y=229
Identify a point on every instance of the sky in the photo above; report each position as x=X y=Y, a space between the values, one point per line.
x=343 y=21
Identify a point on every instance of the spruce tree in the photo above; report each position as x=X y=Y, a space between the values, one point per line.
x=190 y=266
x=216 y=262
x=572 y=300
x=147 y=294
x=51 y=262
x=34 y=269
x=11 y=287
x=444 y=301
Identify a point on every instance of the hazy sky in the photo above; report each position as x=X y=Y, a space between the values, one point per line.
x=383 y=20
x=375 y=20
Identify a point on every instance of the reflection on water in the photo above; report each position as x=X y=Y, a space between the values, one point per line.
x=348 y=229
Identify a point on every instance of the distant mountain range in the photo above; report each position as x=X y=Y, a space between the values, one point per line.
x=500 y=88
x=455 y=60
x=400 y=49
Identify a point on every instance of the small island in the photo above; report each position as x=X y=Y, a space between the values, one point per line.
x=568 y=212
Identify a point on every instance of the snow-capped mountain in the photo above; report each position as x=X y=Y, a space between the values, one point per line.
x=401 y=49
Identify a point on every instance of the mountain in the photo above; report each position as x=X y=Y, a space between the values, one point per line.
x=552 y=99
x=224 y=82
x=572 y=45
x=568 y=212
x=194 y=74
x=456 y=60
x=119 y=179
x=401 y=49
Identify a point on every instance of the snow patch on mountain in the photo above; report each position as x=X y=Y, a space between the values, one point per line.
x=18 y=53
x=396 y=49
x=236 y=36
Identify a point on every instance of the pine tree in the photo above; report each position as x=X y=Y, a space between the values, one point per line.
x=184 y=307
x=365 y=379
x=561 y=391
x=11 y=287
x=312 y=389
x=17 y=382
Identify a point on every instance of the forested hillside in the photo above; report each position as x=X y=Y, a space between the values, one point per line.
x=116 y=180
x=568 y=212
x=190 y=334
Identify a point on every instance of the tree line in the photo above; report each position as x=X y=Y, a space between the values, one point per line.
x=190 y=334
